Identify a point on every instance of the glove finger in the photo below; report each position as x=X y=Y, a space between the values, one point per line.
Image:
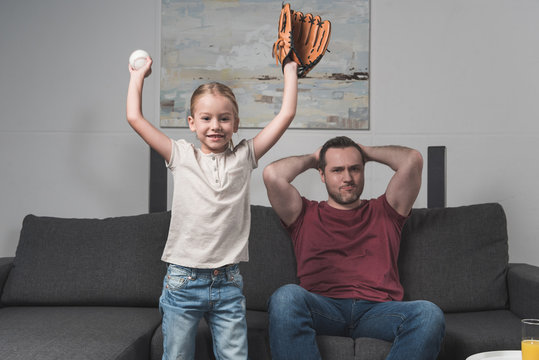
x=297 y=26
x=313 y=34
x=297 y=31
x=321 y=43
x=281 y=47
x=307 y=29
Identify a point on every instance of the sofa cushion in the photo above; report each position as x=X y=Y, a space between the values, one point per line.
x=271 y=258
x=371 y=349
x=475 y=332
x=456 y=257
x=56 y=332
x=113 y=261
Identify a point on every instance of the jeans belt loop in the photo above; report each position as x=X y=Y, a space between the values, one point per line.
x=229 y=269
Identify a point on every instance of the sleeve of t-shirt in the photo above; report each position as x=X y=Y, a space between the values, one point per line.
x=294 y=228
x=178 y=148
x=397 y=218
x=247 y=146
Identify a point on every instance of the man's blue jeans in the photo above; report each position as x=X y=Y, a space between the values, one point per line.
x=215 y=294
x=296 y=316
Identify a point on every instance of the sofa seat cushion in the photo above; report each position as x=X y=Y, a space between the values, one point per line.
x=335 y=347
x=371 y=349
x=474 y=332
x=98 y=333
x=88 y=262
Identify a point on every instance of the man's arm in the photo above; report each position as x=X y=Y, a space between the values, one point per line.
x=407 y=163
x=285 y=198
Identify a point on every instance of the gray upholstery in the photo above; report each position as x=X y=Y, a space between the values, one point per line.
x=456 y=257
x=271 y=258
x=473 y=332
x=114 y=261
x=371 y=349
x=100 y=333
x=104 y=279
x=523 y=290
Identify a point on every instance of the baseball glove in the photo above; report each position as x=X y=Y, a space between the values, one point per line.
x=302 y=38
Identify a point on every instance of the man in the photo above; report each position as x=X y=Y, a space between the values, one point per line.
x=346 y=251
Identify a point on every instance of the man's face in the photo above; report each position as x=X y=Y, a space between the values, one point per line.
x=344 y=177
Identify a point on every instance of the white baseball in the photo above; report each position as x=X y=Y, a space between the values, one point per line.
x=138 y=59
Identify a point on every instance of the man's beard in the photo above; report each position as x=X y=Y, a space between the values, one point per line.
x=344 y=200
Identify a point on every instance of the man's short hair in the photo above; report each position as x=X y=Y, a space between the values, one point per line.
x=339 y=142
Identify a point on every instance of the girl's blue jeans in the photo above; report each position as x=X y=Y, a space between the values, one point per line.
x=296 y=316
x=215 y=294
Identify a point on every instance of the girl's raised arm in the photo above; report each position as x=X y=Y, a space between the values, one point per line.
x=153 y=136
x=268 y=136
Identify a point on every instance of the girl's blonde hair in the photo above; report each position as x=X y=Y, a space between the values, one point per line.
x=215 y=88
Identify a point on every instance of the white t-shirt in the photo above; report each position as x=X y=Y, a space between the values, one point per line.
x=211 y=215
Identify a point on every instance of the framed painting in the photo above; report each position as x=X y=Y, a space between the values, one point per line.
x=203 y=41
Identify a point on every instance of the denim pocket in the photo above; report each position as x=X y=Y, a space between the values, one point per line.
x=177 y=278
x=236 y=278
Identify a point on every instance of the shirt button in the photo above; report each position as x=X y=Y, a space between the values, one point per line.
x=213 y=158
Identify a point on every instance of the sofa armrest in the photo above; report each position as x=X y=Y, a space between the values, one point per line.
x=523 y=287
x=6 y=263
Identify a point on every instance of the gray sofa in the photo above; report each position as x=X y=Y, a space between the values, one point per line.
x=89 y=288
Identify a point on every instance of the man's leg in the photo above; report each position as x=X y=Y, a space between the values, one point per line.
x=416 y=328
x=296 y=316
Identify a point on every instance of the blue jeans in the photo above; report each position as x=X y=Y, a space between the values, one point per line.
x=215 y=294
x=296 y=316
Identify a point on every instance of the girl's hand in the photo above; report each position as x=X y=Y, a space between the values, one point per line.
x=290 y=67
x=144 y=71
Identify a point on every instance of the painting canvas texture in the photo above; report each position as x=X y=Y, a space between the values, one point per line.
x=231 y=42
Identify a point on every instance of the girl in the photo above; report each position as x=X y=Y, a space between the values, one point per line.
x=210 y=221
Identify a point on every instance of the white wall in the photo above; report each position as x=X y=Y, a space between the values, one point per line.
x=459 y=73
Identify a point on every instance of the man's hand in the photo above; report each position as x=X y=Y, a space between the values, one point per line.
x=407 y=163
x=278 y=176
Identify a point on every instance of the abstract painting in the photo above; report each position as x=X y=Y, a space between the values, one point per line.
x=230 y=41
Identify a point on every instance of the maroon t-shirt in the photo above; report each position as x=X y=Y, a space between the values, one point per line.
x=349 y=253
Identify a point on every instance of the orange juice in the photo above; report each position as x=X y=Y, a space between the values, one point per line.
x=530 y=349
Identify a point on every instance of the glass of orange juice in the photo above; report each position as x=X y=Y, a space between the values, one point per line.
x=530 y=339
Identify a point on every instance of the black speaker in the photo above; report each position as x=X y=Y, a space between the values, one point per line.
x=436 y=177
x=158 y=183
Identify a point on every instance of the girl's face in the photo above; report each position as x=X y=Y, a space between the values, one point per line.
x=214 y=121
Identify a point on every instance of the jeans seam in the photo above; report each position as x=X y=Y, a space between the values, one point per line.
x=326 y=316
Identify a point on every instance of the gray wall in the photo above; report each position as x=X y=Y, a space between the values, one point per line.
x=460 y=73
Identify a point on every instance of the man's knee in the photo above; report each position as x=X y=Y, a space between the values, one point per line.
x=432 y=316
x=284 y=297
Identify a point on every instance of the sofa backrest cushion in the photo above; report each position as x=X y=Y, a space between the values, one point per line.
x=456 y=257
x=113 y=261
x=271 y=258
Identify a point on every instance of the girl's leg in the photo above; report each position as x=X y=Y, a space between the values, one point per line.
x=182 y=305
x=226 y=317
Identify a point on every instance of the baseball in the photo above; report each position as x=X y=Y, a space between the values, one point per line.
x=138 y=59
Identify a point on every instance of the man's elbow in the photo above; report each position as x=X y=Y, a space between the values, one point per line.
x=269 y=175
x=416 y=160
